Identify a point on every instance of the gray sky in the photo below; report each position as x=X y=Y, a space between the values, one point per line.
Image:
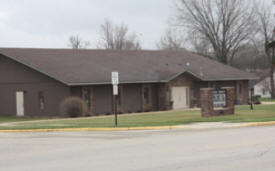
x=49 y=23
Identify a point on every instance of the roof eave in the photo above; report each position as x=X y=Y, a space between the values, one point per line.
x=153 y=81
x=110 y=83
x=232 y=79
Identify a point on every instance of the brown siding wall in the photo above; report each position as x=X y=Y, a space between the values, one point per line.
x=155 y=102
x=132 y=98
x=102 y=99
x=76 y=91
x=17 y=77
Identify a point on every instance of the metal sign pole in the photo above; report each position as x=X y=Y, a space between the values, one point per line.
x=115 y=82
x=115 y=101
x=251 y=100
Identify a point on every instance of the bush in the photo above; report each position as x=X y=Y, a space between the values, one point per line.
x=73 y=107
x=256 y=99
x=267 y=100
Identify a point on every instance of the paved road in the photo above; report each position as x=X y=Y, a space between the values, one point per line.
x=215 y=150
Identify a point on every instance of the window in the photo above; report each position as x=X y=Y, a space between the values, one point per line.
x=146 y=95
x=41 y=100
x=86 y=96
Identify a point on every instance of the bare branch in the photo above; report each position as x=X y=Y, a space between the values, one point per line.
x=224 y=24
x=117 y=37
x=171 y=40
x=75 y=42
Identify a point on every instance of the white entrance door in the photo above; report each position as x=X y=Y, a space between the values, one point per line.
x=20 y=103
x=180 y=97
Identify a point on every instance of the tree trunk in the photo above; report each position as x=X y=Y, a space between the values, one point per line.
x=272 y=82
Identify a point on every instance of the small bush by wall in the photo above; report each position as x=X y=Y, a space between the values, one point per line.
x=73 y=107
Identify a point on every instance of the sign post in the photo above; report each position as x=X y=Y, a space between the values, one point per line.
x=251 y=99
x=115 y=82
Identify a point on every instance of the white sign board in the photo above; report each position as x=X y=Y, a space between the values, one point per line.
x=219 y=98
x=115 y=90
x=115 y=82
x=115 y=79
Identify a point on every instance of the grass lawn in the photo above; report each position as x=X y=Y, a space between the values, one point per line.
x=243 y=114
x=267 y=100
x=7 y=119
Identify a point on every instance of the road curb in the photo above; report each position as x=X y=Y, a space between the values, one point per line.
x=178 y=127
x=92 y=129
x=253 y=124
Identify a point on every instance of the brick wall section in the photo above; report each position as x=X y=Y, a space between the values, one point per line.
x=230 y=100
x=207 y=109
x=245 y=92
x=163 y=103
x=206 y=96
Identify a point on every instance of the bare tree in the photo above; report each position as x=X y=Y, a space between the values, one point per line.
x=266 y=27
x=251 y=57
x=171 y=40
x=225 y=24
x=75 y=42
x=200 y=45
x=117 y=37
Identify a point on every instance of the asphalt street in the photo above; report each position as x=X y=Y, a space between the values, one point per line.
x=214 y=150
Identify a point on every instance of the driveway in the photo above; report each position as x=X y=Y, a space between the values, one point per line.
x=217 y=149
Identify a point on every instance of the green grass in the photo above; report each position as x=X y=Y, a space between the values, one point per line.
x=267 y=100
x=243 y=114
x=7 y=119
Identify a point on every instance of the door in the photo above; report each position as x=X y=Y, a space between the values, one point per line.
x=20 y=103
x=180 y=97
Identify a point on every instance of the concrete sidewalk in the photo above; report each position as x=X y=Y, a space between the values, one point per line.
x=194 y=126
x=268 y=103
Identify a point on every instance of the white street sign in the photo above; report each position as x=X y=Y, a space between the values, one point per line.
x=115 y=90
x=115 y=79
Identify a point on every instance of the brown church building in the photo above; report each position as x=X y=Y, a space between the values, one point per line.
x=33 y=82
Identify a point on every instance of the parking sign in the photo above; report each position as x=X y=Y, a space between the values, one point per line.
x=115 y=80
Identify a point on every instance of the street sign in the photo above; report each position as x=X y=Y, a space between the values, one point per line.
x=115 y=79
x=115 y=90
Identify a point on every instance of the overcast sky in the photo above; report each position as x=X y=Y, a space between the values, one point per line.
x=49 y=23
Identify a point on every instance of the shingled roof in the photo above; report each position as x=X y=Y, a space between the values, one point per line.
x=81 y=67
